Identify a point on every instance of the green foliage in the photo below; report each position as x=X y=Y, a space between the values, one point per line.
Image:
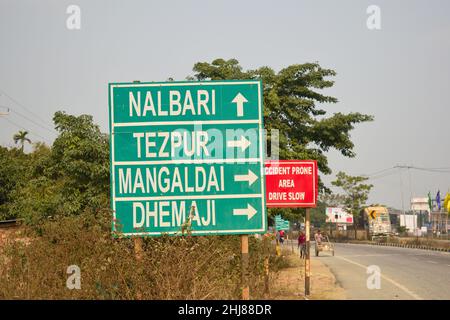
x=170 y=268
x=80 y=160
x=318 y=215
x=402 y=230
x=332 y=199
x=63 y=192
x=21 y=137
x=293 y=104
x=356 y=192
x=291 y=100
x=65 y=179
x=13 y=172
x=73 y=174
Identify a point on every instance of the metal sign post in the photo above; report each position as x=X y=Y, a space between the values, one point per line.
x=266 y=267
x=244 y=257
x=308 y=256
x=138 y=250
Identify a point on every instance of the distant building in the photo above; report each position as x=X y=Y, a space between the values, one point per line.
x=420 y=204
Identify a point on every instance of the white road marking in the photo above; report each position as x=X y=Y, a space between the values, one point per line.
x=371 y=255
x=432 y=261
x=395 y=283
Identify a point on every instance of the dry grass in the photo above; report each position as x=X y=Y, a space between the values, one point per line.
x=170 y=268
x=418 y=241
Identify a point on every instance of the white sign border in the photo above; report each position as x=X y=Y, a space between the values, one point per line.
x=297 y=204
x=192 y=83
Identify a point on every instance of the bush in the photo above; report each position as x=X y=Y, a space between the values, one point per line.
x=402 y=230
x=170 y=268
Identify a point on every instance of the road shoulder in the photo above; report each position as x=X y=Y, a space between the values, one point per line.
x=290 y=285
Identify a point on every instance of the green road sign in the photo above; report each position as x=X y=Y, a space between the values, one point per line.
x=281 y=224
x=187 y=155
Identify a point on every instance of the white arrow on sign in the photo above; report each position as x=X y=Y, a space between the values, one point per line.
x=250 y=177
x=249 y=212
x=243 y=143
x=240 y=100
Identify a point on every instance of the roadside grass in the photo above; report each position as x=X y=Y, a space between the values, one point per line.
x=416 y=241
x=170 y=268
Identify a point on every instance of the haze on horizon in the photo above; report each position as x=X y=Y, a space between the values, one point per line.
x=400 y=74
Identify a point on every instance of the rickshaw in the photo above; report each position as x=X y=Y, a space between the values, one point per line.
x=324 y=245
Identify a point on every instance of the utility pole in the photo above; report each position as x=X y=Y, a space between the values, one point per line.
x=411 y=198
x=401 y=191
x=410 y=194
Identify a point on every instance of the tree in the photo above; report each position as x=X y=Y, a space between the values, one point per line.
x=355 y=195
x=332 y=199
x=291 y=105
x=80 y=159
x=13 y=173
x=70 y=177
x=21 y=137
x=318 y=215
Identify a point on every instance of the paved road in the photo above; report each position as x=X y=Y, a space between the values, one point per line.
x=405 y=273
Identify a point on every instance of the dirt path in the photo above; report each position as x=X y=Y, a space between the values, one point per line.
x=290 y=283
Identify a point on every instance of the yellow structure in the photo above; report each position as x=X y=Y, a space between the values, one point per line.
x=376 y=212
x=447 y=202
x=379 y=222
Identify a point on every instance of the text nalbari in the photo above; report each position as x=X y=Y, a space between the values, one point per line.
x=180 y=103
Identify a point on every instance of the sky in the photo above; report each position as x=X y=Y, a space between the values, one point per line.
x=399 y=73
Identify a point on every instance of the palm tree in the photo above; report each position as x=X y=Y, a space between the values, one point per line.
x=21 y=137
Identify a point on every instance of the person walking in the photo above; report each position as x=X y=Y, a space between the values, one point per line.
x=302 y=244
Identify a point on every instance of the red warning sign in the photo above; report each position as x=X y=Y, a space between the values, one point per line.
x=291 y=183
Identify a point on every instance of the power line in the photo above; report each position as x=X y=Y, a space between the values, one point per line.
x=438 y=170
x=21 y=127
x=387 y=174
x=401 y=190
x=32 y=121
x=387 y=171
x=433 y=169
x=25 y=108
x=378 y=172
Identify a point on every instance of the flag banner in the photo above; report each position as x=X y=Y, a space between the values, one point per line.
x=430 y=203
x=438 y=199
